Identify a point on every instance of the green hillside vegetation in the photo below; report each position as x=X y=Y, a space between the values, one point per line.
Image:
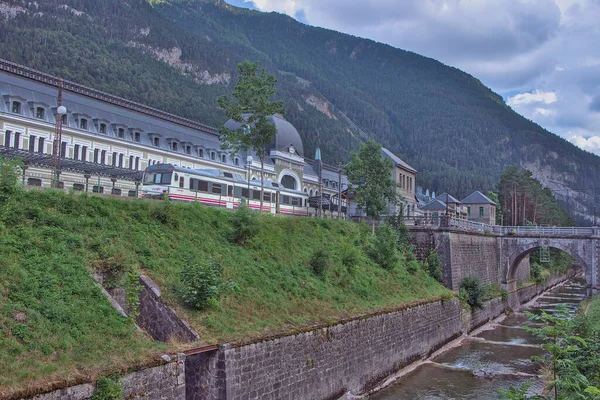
x=290 y=273
x=444 y=122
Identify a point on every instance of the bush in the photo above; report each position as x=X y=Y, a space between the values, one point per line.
x=201 y=284
x=350 y=257
x=319 y=262
x=536 y=272
x=107 y=389
x=434 y=267
x=472 y=291
x=383 y=248
x=412 y=267
x=245 y=225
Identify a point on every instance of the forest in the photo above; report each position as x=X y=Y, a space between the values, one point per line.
x=445 y=123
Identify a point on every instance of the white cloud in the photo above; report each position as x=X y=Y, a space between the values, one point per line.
x=591 y=144
x=537 y=96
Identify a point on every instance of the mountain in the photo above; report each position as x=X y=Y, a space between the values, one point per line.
x=179 y=55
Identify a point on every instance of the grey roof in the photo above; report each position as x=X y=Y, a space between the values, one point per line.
x=477 y=198
x=446 y=198
x=32 y=91
x=286 y=134
x=397 y=160
x=434 y=205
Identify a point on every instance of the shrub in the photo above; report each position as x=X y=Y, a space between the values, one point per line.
x=350 y=257
x=107 y=389
x=536 y=272
x=434 y=267
x=319 y=261
x=472 y=291
x=9 y=174
x=201 y=284
x=245 y=225
x=412 y=267
x=403 y=236
x=383 y=248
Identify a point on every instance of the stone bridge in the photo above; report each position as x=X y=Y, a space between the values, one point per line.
x=500 y=254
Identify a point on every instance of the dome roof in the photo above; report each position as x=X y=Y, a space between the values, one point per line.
x=286 y=134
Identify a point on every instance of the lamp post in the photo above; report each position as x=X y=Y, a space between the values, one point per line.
x=60 y=111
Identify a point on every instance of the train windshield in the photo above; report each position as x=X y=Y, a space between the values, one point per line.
x=154 y=178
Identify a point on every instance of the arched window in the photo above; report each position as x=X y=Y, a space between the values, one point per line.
x=310 y=193
x=289 y=182
x=223 y=158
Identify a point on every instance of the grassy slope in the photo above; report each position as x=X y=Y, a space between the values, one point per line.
x=50 y=242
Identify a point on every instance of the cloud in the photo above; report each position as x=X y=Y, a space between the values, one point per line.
x=544 y=53
x=536 y=97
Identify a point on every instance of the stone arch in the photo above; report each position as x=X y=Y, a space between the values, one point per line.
x=289 y=179
x=524 y=249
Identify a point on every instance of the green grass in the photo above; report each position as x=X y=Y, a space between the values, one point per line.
x=50 y=241
x=593 y=313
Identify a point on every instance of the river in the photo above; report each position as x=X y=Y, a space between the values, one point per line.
x=497 y=356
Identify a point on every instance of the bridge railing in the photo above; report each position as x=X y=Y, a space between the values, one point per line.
x=472 y=226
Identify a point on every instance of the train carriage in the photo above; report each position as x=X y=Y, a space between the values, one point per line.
x=219 y=188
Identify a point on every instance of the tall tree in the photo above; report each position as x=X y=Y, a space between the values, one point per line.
x=251 y=107
x=370 y=177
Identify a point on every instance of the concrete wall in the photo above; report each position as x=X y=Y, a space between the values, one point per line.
x=477 y=317
x=523 y=272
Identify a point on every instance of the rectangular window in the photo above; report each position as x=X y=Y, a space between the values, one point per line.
x=227 y=174
x=115 y=191
x=41 y=145
x=7 y=138
x=34 y=182
x=200 y=153
x=63 y=149
x=130 y=162
x=32 y=143
x=237 y=161
x=16 y=107
x=256 y=195
x=78 y=186
x=84 y=153
x=213 y=155
x=121 y=156
x=40 y=113
x=174 y=146
x=76 y=152
x=229 y=190
x=266 y=196
x=469 y=210
x=217 y=188
x=296 y=201
x=285 y=199
x=480 y=210
x=181 y=182
x=96 y=155
x=245 y=193
x=17 y=140
x=188 y=150
x=132 y=193
x=103 y=157
x=121 y=133
x=83 y=123
x=137 y=163
x=114 y=159
x=64 y=119
x=156 y=142
x=136 y=137
x=103 y=128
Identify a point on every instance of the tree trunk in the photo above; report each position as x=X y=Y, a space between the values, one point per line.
x=262 y=184
x=373 y=227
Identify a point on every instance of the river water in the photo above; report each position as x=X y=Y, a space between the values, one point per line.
x=487 y=360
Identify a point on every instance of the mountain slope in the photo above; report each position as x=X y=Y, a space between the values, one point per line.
x=180 y=55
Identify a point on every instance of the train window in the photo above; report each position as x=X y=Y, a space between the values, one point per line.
x=176 y=177
x=228 y=174
x=245 y=193
x=229 y=190
x=156 y=178
x=267 y=197
x=181 y=182
x=256 y=194
x=273 y=197
x=285 y=199
x=296 y=201
x=217 y=188
x=237 y=191
x=34 y=182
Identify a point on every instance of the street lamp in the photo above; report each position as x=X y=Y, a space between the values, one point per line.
x=60 y=111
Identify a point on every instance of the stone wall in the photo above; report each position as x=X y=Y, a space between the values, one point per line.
x=158 y=319
x=474 y=255
x=205 y=376
x=166 y=381
x=477 y=317
x=523 y=272
x=352 y=356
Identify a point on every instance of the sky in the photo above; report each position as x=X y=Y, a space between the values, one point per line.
x=542 y=56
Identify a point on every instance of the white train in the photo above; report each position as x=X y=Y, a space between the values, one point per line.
x=220 y=188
